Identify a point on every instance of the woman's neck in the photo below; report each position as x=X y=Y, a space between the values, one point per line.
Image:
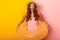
x=32 y=14
x=31 y=10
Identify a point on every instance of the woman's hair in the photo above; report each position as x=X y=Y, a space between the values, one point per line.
x=34 y=10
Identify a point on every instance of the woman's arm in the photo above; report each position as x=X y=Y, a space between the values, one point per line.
x=44 y=21
x=42 y=18
x=22 y=20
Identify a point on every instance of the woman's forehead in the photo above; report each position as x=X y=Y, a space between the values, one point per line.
x=32 y=4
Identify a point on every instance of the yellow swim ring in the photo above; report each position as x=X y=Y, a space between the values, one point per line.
x=41 y=33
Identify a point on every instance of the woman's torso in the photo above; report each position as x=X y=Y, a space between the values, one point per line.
x=32 y=24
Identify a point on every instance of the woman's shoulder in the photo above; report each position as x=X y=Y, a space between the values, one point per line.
x=25 y=14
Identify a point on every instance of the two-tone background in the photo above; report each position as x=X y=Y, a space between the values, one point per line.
x=11 y=12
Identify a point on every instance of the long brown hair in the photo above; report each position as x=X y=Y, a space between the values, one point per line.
x=29 y=12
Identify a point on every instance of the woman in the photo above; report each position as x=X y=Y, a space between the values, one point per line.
x=36 y=28
x=31 y=14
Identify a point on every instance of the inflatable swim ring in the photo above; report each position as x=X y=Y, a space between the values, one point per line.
x=41 y=33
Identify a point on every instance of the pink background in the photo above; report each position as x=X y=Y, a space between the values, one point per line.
x=51 y=11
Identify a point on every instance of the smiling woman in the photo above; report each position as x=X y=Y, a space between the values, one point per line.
x=32 y=26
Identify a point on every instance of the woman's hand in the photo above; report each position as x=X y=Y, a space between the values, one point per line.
x=17 y=28
x=47 y=25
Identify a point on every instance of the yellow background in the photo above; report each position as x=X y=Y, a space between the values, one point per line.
x=11 y=12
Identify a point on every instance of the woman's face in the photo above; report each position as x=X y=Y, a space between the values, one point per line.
x=32 y=6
